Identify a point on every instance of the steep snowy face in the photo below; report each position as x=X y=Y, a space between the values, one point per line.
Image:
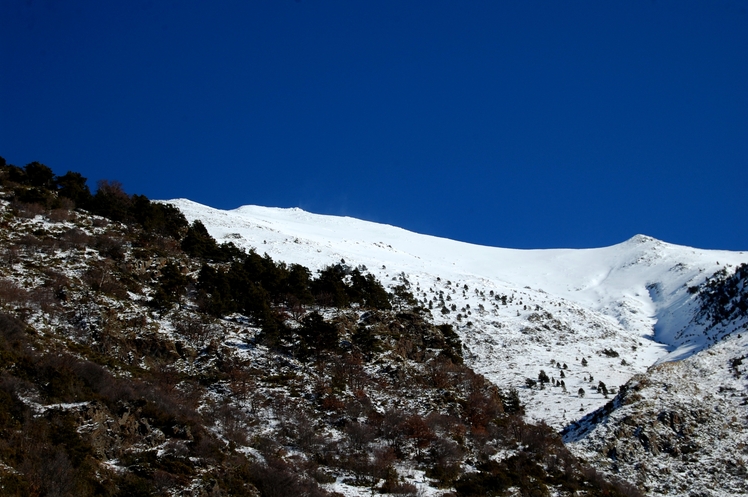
x=582 y=316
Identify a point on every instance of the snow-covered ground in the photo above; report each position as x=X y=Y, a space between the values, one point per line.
x=679 y=429
x=582 y=316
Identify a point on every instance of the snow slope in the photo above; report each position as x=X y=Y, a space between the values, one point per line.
x=679 y=429
x=583 y=316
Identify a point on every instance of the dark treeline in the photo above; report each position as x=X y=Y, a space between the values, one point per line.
x=37 y=184
x=230 y=281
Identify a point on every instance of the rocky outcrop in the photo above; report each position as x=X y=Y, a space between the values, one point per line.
x=679 y=429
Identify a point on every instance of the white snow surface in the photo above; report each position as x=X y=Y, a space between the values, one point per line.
x=562 y=305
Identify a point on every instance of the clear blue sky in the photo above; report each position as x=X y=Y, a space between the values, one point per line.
x=512 y=123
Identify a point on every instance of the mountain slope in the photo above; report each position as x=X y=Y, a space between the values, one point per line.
x=137 y=357
x=580 y=316
x=679 y=429
x=682 y=427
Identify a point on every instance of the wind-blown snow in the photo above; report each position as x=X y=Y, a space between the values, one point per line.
x=562 y=305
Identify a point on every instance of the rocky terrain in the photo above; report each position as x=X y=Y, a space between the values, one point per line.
x=140 y=357
x=679 y=429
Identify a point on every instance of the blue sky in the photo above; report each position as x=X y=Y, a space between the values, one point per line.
x=526 y=124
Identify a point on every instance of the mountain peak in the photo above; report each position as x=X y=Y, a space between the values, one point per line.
x=642 y=239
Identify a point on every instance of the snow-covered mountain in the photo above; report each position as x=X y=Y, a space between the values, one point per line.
x=581 y=316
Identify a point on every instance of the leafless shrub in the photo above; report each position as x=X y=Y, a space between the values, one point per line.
x=294 y=308
x=391 y=428
x=65 y=203
x=279 y=479
x=59 y=215
x=100 y=278
x=482 y=408
x=110 y=246
x=404 y=348
x=30 y=243
x=11 y=293
x=382 y=463
x=56 y=280
x=416 y=429
x=74 y=238
x=446 y=456
x=266 y=446
x=233 y=422
x=441 y=371
x=394 y=487
x=11 y=255
x=43 y=298
x=242 y=384
x=28 y=211
x=359 y=435
x=11 y=329
x=165 y=481
x=53 y=474
x=296 y=425
x=193 y=327
x=600 y=482
x=332 y=403
x=306 y=433
x=324 y=299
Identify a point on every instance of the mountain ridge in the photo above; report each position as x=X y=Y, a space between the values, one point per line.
x=631 y=298
x=144 y=354
x=640 y=314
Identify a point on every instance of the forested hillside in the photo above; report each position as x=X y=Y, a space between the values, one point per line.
x=140 y=357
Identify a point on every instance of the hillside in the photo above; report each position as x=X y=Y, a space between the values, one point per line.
x=588 y=321
x=679 y=429
x=621 y=308
x=140 y=357
x=167 y=348
x=682 y=428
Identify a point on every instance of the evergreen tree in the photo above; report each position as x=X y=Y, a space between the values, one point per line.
x=40 y=175
x=171 y=286
x=365 y=340
x=512 y=403
x=163 y=219
x=602 y=388
x=543 y=377
x=329 y=288
x=111 y=201
x=198 y=242
x=403 y=299
x=298 y=284
x=73 y=186
x=316 y=334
